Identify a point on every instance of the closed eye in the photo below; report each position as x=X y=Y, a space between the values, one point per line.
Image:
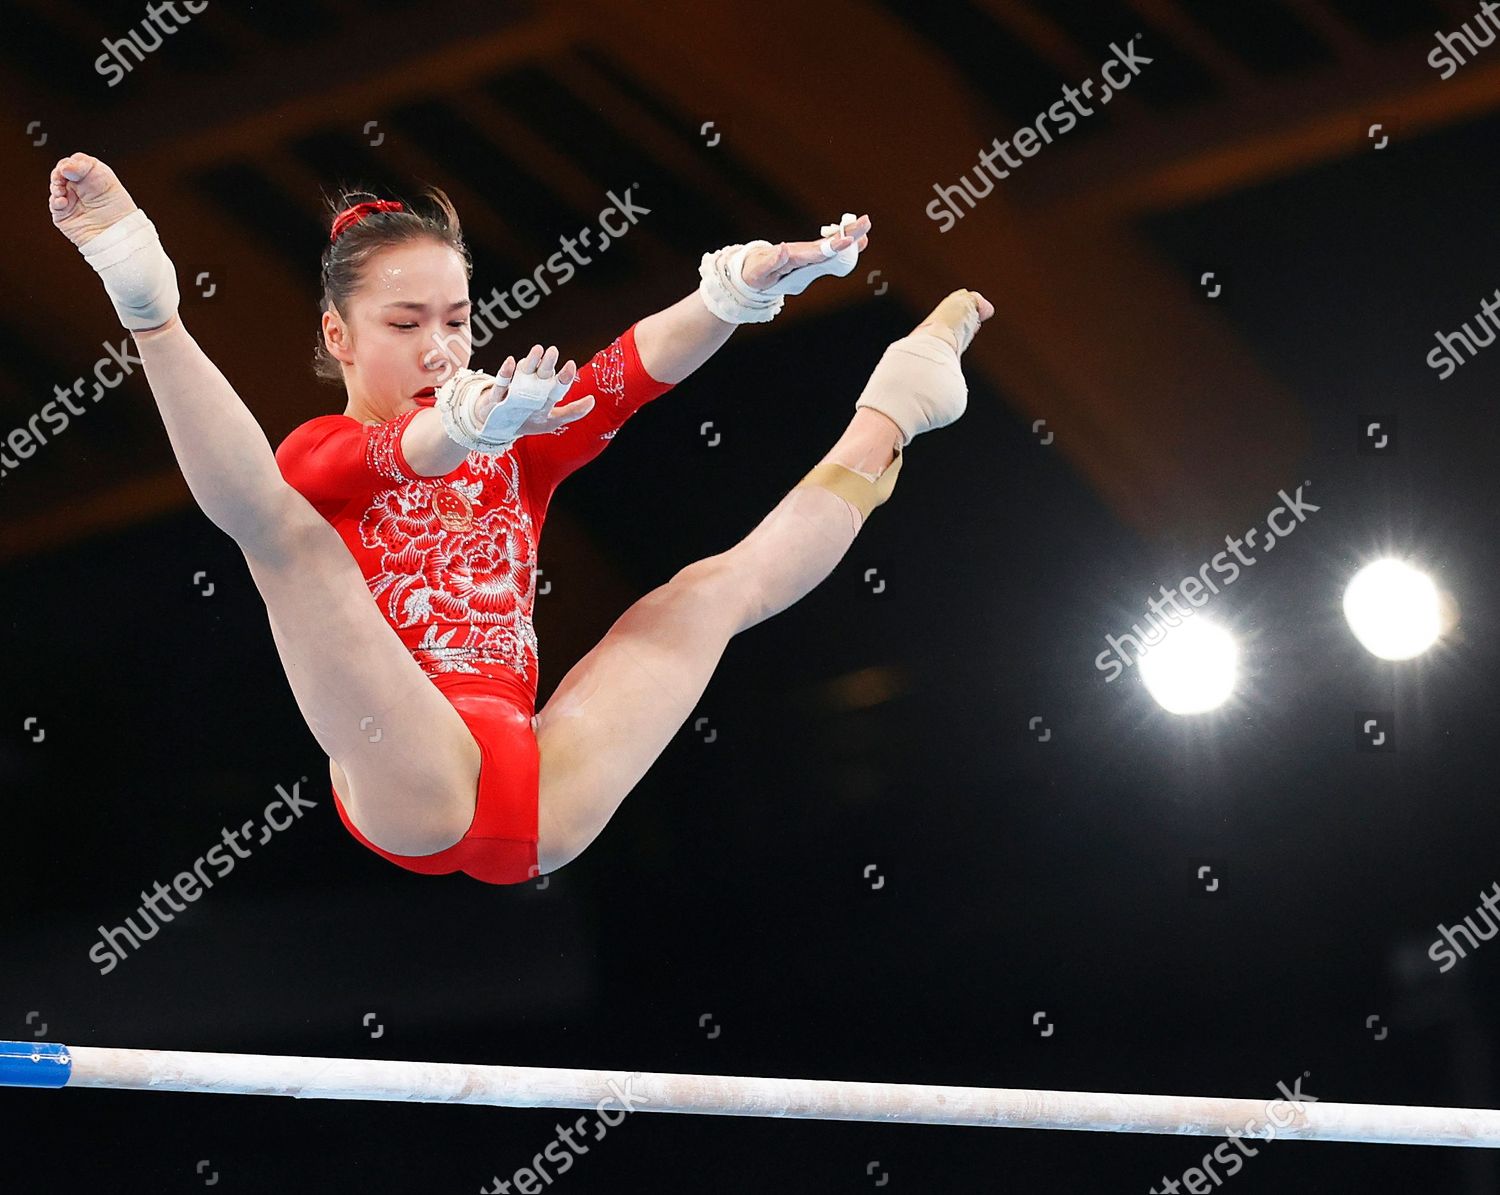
x=461 y=323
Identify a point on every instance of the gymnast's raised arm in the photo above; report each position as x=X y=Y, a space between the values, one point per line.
x=741 y=284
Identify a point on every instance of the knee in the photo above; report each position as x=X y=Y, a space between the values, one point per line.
x=710 y=571
x=282 y=531
x=724 y=583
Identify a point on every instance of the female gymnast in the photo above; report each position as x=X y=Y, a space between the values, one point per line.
x=429 y=493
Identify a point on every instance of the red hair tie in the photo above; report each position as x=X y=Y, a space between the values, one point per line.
x=353 y=215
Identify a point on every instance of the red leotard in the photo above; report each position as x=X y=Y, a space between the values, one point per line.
x=451 y=564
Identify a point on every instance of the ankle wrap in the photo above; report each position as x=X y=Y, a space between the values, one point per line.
x=854 y=487
x=917 y=385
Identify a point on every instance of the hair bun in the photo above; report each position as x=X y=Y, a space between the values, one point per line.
x=351 y=216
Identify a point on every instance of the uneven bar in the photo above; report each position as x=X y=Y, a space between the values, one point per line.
x=34 y=1064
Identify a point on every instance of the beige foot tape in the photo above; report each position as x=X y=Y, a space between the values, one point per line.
x=854 y=487
x=918 y=383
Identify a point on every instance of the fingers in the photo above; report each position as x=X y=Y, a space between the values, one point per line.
x=850 y=233
x=73 y=167
x=808 y=253
x=67 y=186
x=59 y=190
x=859 y=227
x=528 y=363
x=76 y=167
x=799 y=253
x=543 y=365
x=574 y=411
x=538 y=362
x=850 y=230
x=531 y=383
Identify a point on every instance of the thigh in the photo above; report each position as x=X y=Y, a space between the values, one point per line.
x=618 y=708
x=407 y=760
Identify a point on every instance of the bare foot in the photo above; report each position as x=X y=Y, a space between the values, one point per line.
x=86 y=198
x=955 y=320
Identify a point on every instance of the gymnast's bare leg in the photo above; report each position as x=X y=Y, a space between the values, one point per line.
x=620 y=706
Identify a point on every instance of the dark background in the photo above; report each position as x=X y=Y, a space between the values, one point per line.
x=857 y=728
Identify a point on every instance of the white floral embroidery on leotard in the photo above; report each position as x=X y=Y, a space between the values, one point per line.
x=457 y=556
x=609 y=371
x=477 y=580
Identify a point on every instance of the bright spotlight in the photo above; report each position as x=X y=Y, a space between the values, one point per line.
x=1193 y=669
x=1393 y=609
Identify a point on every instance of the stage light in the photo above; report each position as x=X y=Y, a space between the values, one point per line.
x=1393 y=609
x=1193 y=669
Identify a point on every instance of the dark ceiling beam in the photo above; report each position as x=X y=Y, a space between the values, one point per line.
x=1252 y=137
x=418 y=74
x=1341 y=37
x=1189 y=37
x=1048 y=41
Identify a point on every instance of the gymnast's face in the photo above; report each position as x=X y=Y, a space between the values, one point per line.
x=406 y=332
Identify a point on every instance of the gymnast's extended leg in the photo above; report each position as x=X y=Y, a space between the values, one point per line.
x=617 y=709
x=343 y=661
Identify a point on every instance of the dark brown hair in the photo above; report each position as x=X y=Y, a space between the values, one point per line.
x=345 y=259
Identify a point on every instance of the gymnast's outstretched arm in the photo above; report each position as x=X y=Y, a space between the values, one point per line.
x=225 y=456
x=678 y=339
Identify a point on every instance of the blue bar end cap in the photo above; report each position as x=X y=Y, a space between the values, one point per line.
x=34 y=1064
